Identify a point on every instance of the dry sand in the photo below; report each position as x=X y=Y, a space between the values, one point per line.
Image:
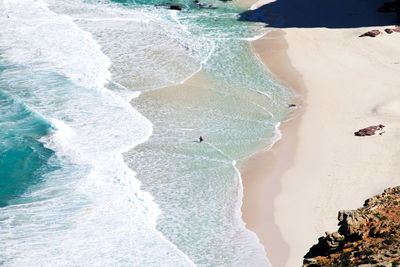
x=293 y=192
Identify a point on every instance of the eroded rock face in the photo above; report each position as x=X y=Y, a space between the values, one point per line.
x=351 y=223
x=368 y=236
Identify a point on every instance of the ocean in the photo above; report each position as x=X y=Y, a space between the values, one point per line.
x=101 y=106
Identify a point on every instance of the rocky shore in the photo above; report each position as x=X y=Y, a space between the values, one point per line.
x=368 y=236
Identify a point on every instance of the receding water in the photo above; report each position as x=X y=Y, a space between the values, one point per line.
x=99 y=160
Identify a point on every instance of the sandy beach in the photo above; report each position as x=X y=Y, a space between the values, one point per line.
x=292 y=193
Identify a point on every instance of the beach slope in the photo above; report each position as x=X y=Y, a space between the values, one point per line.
x=321 y=167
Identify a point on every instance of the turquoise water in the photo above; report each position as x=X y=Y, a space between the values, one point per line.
x=23 y=158
x=197 y=185
x=99 y=160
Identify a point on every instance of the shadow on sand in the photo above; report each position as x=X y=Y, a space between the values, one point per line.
x=320 y=13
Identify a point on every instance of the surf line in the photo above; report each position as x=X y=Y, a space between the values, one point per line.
x=220 y=152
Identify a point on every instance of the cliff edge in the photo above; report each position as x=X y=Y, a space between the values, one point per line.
x=368 y=236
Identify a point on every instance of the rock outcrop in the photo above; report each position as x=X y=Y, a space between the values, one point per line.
x=368 y=236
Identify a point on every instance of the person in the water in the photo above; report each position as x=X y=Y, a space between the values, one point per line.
x=201 y=139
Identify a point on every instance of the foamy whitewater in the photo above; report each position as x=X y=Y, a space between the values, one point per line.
x=98 y=160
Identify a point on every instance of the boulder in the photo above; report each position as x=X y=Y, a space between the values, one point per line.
x=371 y=130
x=372 y=33
x=387 y=30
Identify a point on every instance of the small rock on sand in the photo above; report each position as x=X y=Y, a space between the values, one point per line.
x=388 y=30
x=368 y=131
x=372 y=33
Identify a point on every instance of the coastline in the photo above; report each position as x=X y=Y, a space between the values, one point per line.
x=292 y=192
x=261 y=172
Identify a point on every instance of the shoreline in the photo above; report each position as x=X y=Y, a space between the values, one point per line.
x=293 y=192
x=261 y=171
x=259 y=189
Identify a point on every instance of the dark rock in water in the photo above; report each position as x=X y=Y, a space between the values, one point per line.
x=372 y=33
x=292 y=105
x=371 y=130
x=201 y=5
x=175 y=7
x=205 y=5
x=387 y=30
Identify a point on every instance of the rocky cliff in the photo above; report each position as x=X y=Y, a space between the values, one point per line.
x=368 y=236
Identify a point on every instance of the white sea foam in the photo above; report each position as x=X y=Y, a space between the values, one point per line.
x=93 y=201
x=93 y=206
x=238 y=222
x=148 y=47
